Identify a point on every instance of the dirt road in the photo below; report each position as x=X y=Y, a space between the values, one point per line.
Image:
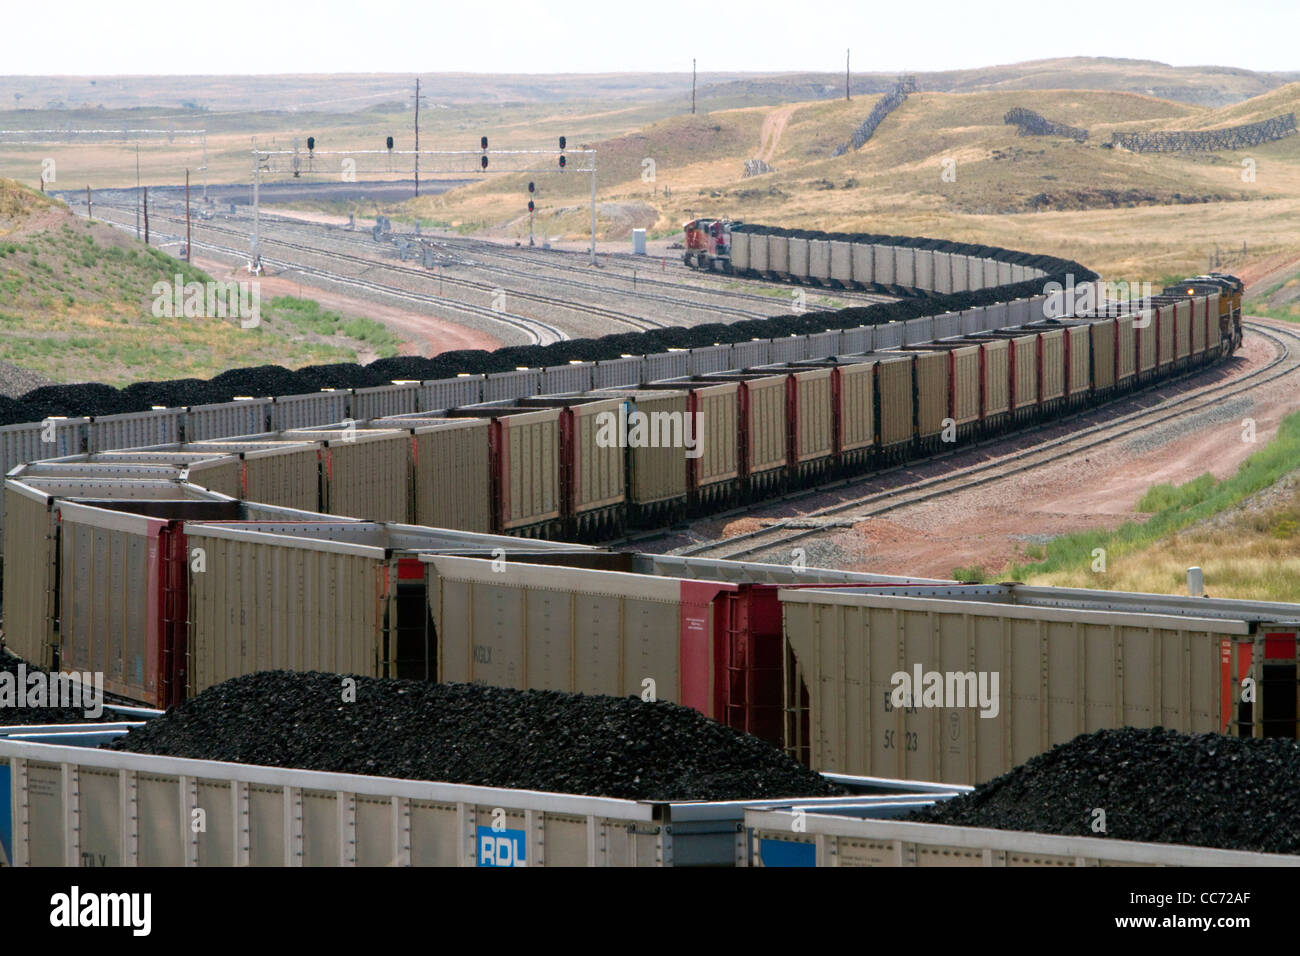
x=773 y=127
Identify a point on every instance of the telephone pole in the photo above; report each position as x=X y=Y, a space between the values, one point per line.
x=846 y=75
x=187 y=216
x=692 y=86
x=137 y=192
x=417 y=136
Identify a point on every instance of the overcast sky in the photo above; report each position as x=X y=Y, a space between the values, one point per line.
x=578 y=36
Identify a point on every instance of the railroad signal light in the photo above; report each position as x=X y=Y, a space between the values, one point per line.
x=530 y=205
x=562 y=142
x=483 y=142
x=484 y=161
x=562 y=161
x=532 y=188
x=390 y=142
x=311 y=143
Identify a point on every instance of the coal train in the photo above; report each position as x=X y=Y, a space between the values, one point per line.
x=580 y=451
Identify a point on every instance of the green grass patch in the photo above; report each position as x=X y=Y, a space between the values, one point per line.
x=1173 y=508
x=1160 y=498
x=1284 y=313
x=975 y=574
x=306 y=315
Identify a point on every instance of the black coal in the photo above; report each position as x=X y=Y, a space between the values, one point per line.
x=1154 y=785
x=10 y=716
x=472 y=734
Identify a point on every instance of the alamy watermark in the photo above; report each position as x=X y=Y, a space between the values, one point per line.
x=637 y=429
x=77 y=691
x=1070 y=299
x=209 y=300
x=923 y=688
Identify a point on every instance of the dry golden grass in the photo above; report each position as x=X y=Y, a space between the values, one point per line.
x=894 y=184
x=1236 y=563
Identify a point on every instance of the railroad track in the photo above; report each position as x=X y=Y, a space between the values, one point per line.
x=880 y=502
x=852 y=298
x=539 y=332
x=640 y=323
x=635 y=283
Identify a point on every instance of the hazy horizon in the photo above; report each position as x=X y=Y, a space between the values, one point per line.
x=343 y=37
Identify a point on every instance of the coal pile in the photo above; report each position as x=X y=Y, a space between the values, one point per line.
x=471 y=734
x=1155 y=786
x=10 y=716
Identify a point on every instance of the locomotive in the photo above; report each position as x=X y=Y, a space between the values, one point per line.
x=708 y=244
x=1230 y=289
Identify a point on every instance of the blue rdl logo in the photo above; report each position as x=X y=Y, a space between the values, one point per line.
x=786 y=853
x=501 y=847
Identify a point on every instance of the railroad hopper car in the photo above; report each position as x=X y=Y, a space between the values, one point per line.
x=341 y=819
x=210 y=470
x=132 y=809
x=1066 y=370
x=930 y=383
x=104 y=584
x=812 y=411
x=525 y=464
x=1120 y=326
x=592 y=465
x=1224 y=311
x=862 y=836
x=961 y=365
x=1022 y=382
x=373 y=624
x=169 y=595
x=364 y=472
x=450 y=469
x=895 y=408
x=714 y=476
x=764 y=450
x=706 y=634
x=1065 y=662
x=853 y=408
x=653 y=425
x=281 y=473
x=897 y=265
x=272 y=816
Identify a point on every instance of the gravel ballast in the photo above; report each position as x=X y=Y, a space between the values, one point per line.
x=477 y=735
x=1154 y=786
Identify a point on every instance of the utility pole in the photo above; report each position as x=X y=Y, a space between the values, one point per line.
x=137 y=191
x=146 y=215
x=188 y=253
x=417 y=136
x=593 y=207
x=255 y=265
x=846 y=75
x=692 y=86
x=89 y=214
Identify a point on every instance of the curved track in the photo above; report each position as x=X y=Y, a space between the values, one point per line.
x=538 y=332
x=1285 y=362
